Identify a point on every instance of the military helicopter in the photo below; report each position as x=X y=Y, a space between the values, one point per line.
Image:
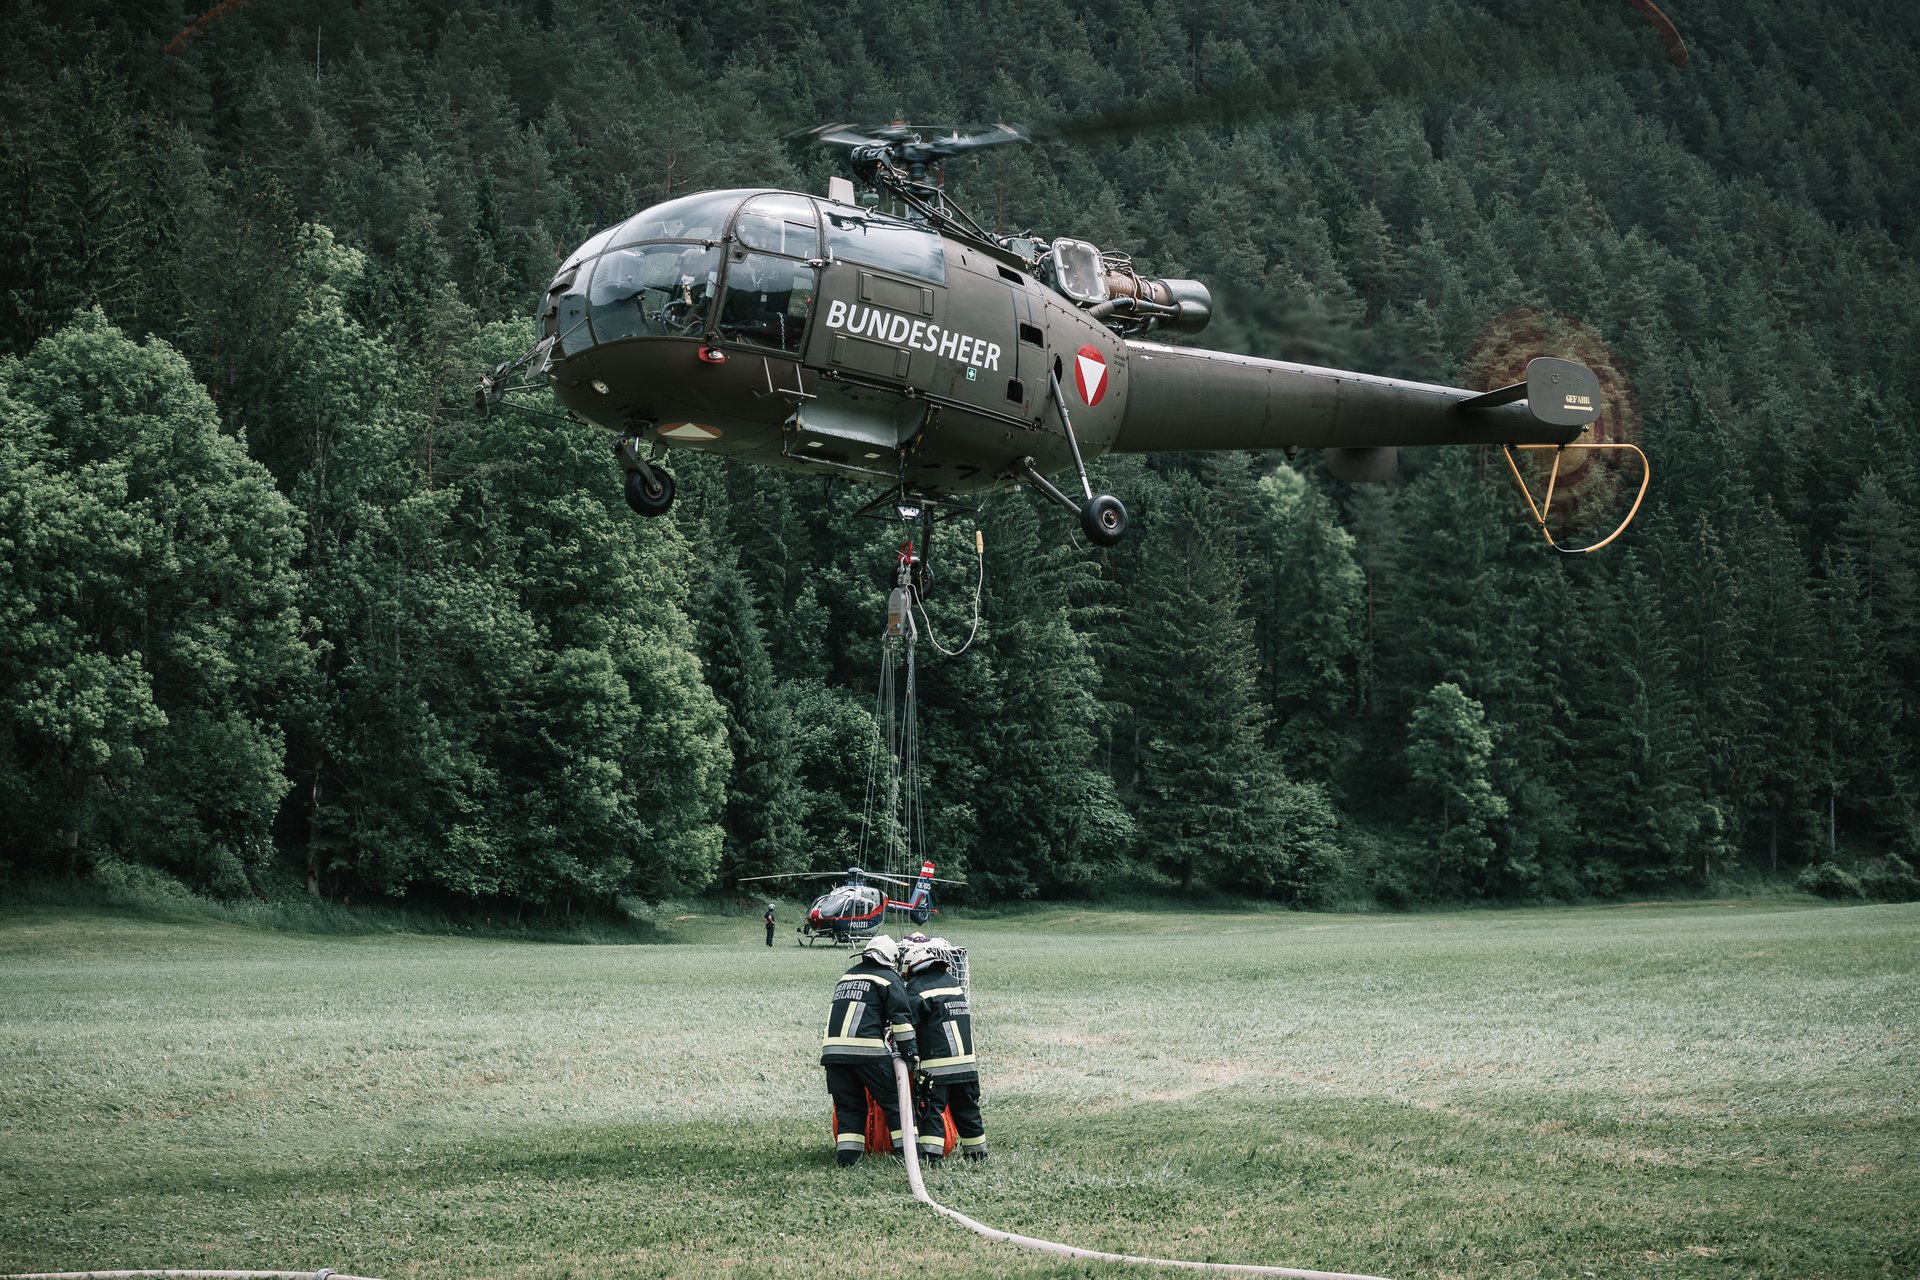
x=854 y=908
x=887 y=337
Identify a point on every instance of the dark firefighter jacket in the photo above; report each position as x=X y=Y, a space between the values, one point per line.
x=869 y=1001
x=944 y=1024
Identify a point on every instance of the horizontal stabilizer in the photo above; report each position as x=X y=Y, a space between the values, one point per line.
x=1558 y=393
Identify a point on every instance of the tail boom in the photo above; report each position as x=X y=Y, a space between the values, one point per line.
x=1181 y=398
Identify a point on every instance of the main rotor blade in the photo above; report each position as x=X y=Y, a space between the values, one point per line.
x=833 y=135
x=998 y=136
x=794 y=875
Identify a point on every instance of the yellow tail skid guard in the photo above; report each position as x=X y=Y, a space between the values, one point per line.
x=1541 y=508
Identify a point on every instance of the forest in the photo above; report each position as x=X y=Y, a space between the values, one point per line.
x=281 y=615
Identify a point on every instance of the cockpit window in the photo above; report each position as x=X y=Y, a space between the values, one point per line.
x=768 y=301
x=701 y=217
x=588 y=250
x=654 y=290
x=780 y=223
x=885 y=243
x=847 y=900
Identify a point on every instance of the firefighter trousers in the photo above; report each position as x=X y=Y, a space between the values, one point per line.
x=963 y=1096
x=850 y=1083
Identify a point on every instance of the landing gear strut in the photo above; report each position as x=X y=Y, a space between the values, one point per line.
x=649 y=489
x=1104 y=518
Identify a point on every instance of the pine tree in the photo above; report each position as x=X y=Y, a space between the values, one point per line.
x=764 y=804
x=1212 y=807
x=1864 y=764
x=1551 y=648
x=76 y=212
x=1780 y=621
x=1446 y=627
x=1049 y=819
x=1641 y=777
x=1720 y=686
x=359 y=720
x=1884 y=536
x=1308 y=606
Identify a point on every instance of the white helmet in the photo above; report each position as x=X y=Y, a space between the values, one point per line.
x=882 y=950
x=921 y=956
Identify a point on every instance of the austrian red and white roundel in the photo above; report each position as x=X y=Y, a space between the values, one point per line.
x=1090 y=372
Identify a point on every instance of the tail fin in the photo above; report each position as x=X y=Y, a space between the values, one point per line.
x=1557 y=392
x=920 y=905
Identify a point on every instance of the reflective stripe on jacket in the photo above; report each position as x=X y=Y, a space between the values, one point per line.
x=869 y=1001
x=945 y=1025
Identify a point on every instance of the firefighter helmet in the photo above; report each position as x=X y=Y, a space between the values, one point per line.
x=920 y=956
x=882 y=950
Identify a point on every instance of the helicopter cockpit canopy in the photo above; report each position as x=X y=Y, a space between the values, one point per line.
x=849 y=900
x=727 y=266
x=650 y=276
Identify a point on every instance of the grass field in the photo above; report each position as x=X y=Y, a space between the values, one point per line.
x=1686 y=1090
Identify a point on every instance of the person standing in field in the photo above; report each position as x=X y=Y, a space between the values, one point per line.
x=950 y=1073
x=769 y=924
x=870 y=1003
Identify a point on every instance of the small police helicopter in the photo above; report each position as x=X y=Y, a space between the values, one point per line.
x=889 y=338
x=854 y=908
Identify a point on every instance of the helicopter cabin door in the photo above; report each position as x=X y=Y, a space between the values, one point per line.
x=977 y=370
x=876 y=331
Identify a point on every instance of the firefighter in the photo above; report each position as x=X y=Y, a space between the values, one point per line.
x=950 y=1076
x=870 y=1002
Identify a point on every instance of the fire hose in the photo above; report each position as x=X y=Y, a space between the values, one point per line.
x=1066 y=1250
x=908 y=1138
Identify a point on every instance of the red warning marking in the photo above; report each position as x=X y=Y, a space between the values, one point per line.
x=1090 y=372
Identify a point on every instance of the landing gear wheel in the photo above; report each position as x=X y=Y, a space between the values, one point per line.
x=1104 y=519
x=649 y=496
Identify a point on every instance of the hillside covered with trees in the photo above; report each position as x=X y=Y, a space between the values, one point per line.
x=278 y=611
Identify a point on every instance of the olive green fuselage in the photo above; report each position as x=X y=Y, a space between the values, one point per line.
x=791 y=331
x=943 y=387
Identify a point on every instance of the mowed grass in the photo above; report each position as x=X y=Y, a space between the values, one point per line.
x=1699 y=1090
